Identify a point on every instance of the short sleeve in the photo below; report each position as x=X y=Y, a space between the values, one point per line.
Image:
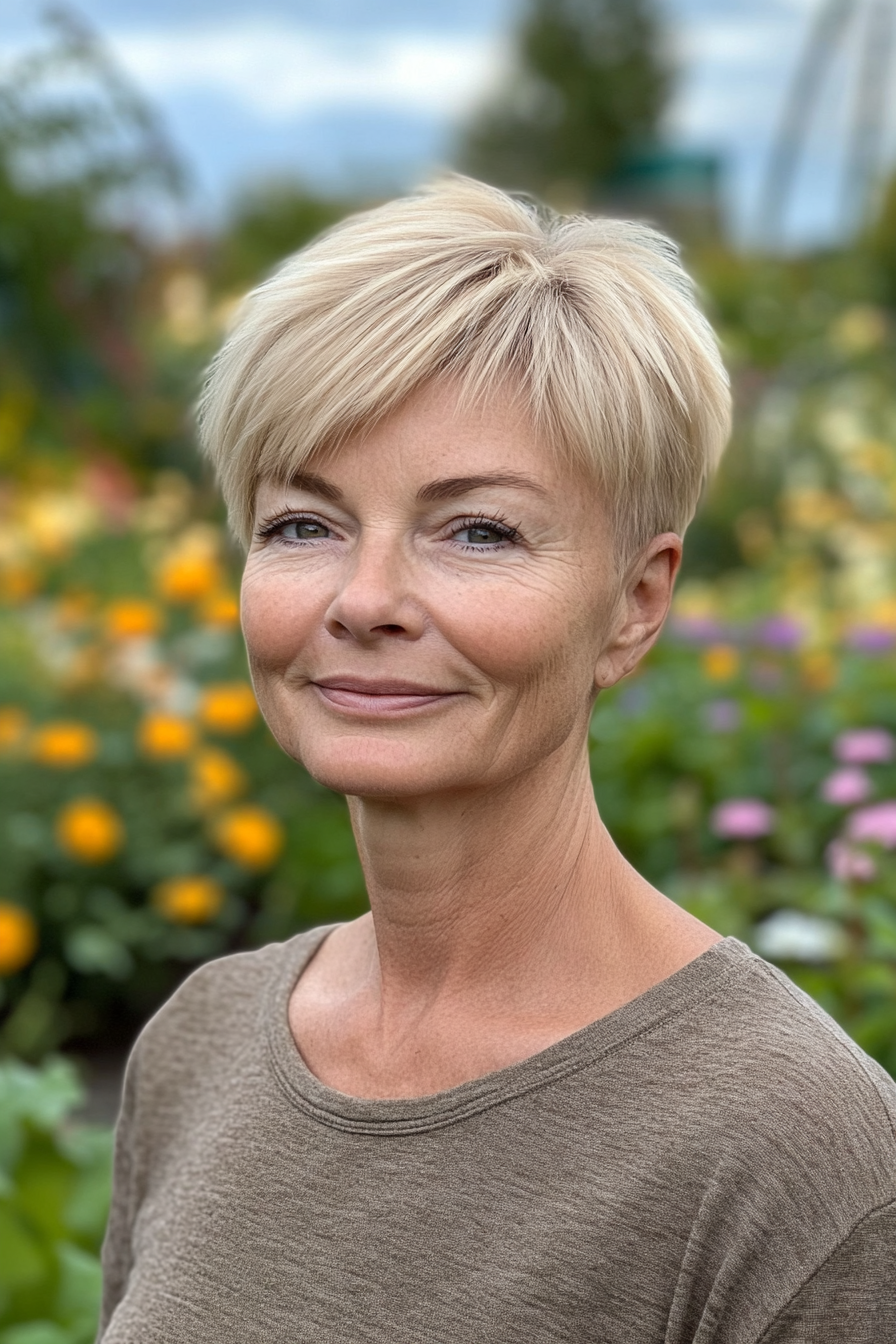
x=117 y=1248
x=851 y=1298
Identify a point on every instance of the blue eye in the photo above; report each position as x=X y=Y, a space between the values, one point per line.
x=303 y=529
x=483 y=533
x=481 y=536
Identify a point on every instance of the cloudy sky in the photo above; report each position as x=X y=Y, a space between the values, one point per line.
x=368 y=92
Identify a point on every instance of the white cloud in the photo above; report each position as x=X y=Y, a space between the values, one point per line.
x=278 y=71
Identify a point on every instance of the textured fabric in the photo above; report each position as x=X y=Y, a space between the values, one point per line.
x=714 y=1162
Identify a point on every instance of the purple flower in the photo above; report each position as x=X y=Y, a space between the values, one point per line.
x=848 y=864
x=876 y=823
x=779 y=632
x=870 y=639
x=846 y=787
x=699 y=629
x=864 y=746
x=742 y=819
x=722 y=716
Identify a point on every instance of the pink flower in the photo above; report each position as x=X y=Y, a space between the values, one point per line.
x=876 y=823
x=846 y=787
x=742 y=819
x=864 y=746
x=848 y=864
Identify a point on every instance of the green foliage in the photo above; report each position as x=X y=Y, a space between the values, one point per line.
x=590 y=84
x=747 y=711
x=265 y=225
x=76 y=147
x=54 y=1193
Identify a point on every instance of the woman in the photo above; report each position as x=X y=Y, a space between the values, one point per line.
x=527 y=1097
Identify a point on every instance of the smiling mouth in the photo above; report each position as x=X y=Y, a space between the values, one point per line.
x=378 y=698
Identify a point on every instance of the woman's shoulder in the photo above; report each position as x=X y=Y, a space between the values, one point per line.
x=792 y=1044
x=221 y=1005
x=782 y=1088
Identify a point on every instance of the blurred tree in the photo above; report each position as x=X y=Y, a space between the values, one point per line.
x=589 y=84
x=82 y=162
x=881 y=243
x=265 y=225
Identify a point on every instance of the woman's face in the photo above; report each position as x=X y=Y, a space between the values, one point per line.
x=431 y=609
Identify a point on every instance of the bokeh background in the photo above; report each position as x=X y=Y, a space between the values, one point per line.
x=158 y=160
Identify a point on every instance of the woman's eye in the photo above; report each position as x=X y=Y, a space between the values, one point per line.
x=480 y=534
x=303 y=529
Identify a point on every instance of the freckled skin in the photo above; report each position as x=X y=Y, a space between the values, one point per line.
x=514 y=629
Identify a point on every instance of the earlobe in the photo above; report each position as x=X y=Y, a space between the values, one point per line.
x=645 y=605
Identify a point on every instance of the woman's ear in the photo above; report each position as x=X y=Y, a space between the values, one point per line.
x=643 y=606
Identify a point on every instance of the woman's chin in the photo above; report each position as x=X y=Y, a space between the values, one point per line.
x=379 y=770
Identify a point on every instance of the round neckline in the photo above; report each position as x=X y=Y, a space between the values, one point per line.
x=679 y=992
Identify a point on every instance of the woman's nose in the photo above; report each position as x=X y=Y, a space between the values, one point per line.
x=375 y=599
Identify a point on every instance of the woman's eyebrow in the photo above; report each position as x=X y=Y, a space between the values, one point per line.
x=316 y=485
x=452 y=486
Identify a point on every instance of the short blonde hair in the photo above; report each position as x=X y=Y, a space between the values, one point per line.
x=593 y=321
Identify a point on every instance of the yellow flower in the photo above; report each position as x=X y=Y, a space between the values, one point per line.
x=55 y=520
x=818 y=670
x=132 y=618
x=720 y=662
x=64 y=744
x=165 y=737
x=18 y=582
x=13 y=727
x=249 y=836
x=220 y=609
x=188 y=900
x=18 y=938
x=228 y=707
x=89 y=830
x=216 y=778
x=188 y=576
x=858 y=329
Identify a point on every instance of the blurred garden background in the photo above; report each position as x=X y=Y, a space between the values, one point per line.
x=148 y=821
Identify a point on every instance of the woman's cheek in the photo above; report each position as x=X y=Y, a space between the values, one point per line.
x=276 y=616
x=508 y=636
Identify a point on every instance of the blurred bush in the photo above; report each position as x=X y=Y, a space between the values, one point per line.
x=54 y=1196
x=148 y=820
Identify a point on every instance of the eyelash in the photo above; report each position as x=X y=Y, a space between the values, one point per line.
x=272 y=527
x=506 y=531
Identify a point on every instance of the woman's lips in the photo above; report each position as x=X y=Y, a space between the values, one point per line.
x=378 y=698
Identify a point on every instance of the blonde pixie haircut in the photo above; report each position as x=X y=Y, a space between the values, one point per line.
x=592 y=321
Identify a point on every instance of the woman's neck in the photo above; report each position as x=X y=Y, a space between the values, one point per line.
x=497 y=899
x=499 y=924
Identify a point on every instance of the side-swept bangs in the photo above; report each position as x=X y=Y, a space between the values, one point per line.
x=592 y=321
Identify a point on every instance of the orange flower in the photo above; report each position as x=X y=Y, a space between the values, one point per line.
x=89 y=830
x=73 y=608
x=720 y=662
x=188 y=900
x=132 y=618
x=18 y=938
x=216 y=778
x=64 y=744
x=221 y=609
x=13 y=727
x=188 y=576
x=249 y=836
x=228 y=707
x=165 y=737
x=18 y=582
